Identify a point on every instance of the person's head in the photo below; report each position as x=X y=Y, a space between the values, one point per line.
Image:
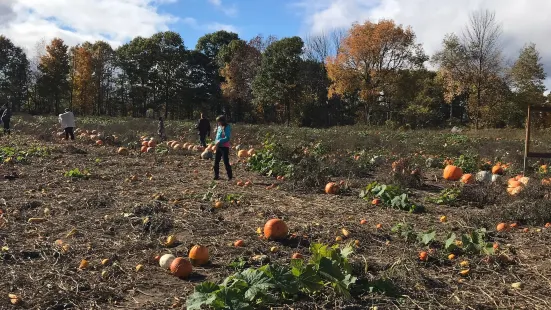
x=221 y=120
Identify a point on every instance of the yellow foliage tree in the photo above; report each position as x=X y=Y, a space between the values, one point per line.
x=83 y=88
x=367 y=58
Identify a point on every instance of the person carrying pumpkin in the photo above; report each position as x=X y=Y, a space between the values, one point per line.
x=67 y=122
x=222 y=140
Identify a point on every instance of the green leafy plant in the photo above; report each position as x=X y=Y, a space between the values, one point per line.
x=405 y=230
x=468 y=163
x=267 y=162
x=255 y=288
x=447 y=196
x=391 y=196
x=76 y=173
x=474 y=243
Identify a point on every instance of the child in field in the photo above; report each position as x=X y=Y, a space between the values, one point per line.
x=67 y=122
x=223 y=133
x=162 y=129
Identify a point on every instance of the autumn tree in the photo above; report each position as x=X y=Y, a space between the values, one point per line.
x=368 y=57
x=276 y=87
x=14 y=68
x=54 y=68
x=240 y=62
x=84 y=88
x=473 y=60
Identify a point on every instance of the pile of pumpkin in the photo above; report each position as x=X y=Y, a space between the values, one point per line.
x=274 y=229
x=148 y=145
x=242 y=153
x=514 y=187
x=91 y=135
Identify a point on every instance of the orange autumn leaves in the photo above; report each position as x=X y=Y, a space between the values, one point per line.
x=367 y=55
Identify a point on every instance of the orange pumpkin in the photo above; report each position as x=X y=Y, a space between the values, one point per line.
x=331 y=188
x=143 y=149
x=238 y=243
x=423 y=256
x=150 y=149
x=251 y=152
x=199 y=255
x=152 y=143
x=122 y=151
x=275 y=229
x=99 y=142
x=242 y=154
x=296 y=256
x=145 y=143
x=452 y=173
x=467 y=179
x=501 y=227
x=181 y=267
x=546 y=182
x=497 y=169
x=376 y=201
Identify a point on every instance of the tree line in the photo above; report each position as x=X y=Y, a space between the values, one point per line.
x=374 y=73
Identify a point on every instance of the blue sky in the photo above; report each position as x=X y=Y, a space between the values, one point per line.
x=248 y=17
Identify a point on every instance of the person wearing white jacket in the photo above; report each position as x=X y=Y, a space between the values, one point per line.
x=67 y=121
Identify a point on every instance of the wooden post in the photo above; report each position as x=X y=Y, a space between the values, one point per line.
x=527 y=141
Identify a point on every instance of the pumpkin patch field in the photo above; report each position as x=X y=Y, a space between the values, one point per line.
x=339 y=218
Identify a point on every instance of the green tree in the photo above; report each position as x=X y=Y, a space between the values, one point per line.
x=14 y=68
x=210 y=44
x=528 y=78
x=276 y=87
x=54 y=68
x=472 y=61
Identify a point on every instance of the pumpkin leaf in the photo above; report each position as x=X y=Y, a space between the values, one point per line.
x=204 y=294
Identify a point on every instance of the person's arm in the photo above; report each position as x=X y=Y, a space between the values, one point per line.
x=227 y=132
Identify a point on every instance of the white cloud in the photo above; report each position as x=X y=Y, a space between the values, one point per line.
x=230 y=10
x=523 y=21
x=75 y=21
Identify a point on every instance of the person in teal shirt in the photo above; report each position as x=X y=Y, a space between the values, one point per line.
x=222 y=140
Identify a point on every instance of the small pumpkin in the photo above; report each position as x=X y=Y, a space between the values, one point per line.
x=122 y=151
x=145 y=143
x=206 y=155
x=275 y=229
x=152 y=143
x=296 y=256
x=181 y=268
x=497 y=169
x=452 y=173
x=467 y=179
x=176 y=146
x=331 y=188
x=99 y=142
x=242 y=154
x=199 y=255
x=423 y=256
x=143 y=149
x=501 y=227
x=150 y=149
x=251 y=152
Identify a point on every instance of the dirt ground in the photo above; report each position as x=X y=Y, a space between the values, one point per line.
x=102 y=216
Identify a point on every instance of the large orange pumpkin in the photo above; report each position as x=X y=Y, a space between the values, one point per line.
x=275 y=229
x=143 y=149
x=452 y=173
x=199 y=255
x=467 y=179
x=145 y=143
x=181 y=268
x=331 y=188
x=152 y=143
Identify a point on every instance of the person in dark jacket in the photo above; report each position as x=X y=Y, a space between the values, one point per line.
x=203 y=126
x=6 y=117
x=161 y=130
